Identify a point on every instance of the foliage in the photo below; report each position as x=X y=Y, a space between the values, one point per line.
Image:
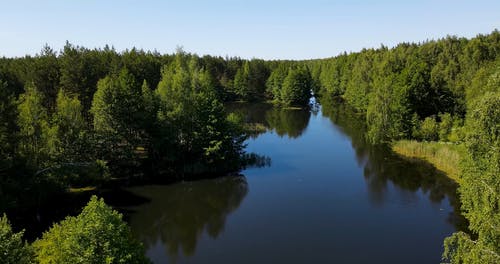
x=296 y=88
x=275 y=81
x=480 y=191
x=118 y=116
x=430 y=79
x=429 y=129
x=13 y=250
x=8 y=115
x=97 y=235
x=445 y=126
x=37 y=138
x=241 y=82
x=204 y=140
x=387 y=110
x=71 y=128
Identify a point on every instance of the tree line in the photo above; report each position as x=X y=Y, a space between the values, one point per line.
x=71 y=117
x=83 y=116
x=414 y=90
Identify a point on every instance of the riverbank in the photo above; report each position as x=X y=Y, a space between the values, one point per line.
x=445 y=157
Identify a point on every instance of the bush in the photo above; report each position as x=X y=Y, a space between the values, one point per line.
x=429 y=129
x=445 y=126
x=97 y=235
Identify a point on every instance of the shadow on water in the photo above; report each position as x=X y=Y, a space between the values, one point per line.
x=179 y=214
x=382 y=166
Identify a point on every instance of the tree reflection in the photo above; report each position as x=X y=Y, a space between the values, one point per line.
x=382 y=166
x=179 y=214
x=290 y=122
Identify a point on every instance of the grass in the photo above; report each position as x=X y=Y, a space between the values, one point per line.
x=445 y=157
x=291 y=107
x=83 y=189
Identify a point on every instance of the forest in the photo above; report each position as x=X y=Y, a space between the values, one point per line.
x=81 y=118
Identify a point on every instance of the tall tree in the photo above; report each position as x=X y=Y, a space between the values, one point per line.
x=275 y=81
x=296 y=87
x=118 y=113
x=8 y=115
x=46 y=74
x=241 y=82
x=37 y=138
x=387 y=113
x=70 y=126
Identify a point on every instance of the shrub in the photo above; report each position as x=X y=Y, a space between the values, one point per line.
x=97 y=235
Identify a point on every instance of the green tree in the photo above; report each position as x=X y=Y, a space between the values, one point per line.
x=429 y=130
x=387 y=110
x=296 y=87
x=118 y=113
x=445 y=126
x=37 y=138
x=258 y=73
x=13 y=250
x=97 y=235
x=200 y=137
x=421 y=97
x=480 y=187
x=70 y=126
x=241 y=82
x=46 y=75
x=360 y=82
x=8 y=114
x=82 y=68
x=275 y=81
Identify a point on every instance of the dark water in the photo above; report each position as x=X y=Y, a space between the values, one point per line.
x=327 y=197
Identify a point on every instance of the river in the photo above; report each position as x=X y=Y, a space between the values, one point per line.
x=325 y=197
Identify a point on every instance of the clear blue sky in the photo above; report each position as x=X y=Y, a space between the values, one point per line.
x=253 y=28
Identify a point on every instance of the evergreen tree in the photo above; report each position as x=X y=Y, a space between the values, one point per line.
x=241 y=82
x=275 y=82
x=296 y=88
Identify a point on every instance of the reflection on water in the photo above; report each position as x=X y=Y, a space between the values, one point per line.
x=327 y=197
x=179 y=214
x=381 y=165
x=290 y=122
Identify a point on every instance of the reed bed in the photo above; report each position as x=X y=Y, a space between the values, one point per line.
x=444 y=156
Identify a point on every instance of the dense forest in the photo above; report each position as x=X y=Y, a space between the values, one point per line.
x=93 y=117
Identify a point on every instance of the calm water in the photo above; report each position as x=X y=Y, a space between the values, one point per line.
x=327 y=197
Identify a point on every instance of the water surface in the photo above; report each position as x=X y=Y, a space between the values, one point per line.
x=327 y=197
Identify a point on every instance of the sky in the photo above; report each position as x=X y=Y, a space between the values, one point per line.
x=249 y=29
